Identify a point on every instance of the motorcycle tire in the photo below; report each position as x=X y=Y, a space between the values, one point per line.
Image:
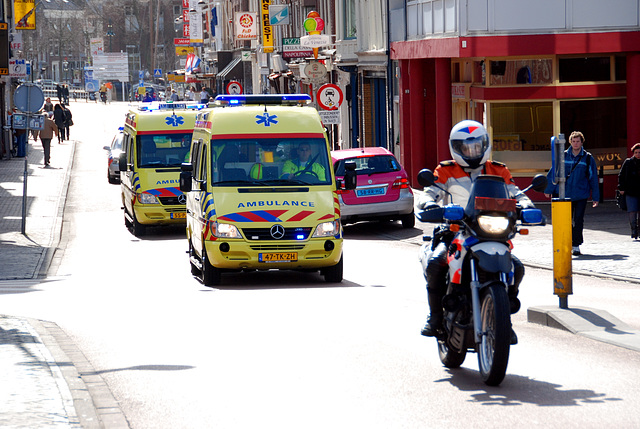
x=493 y=350
x=450 y=358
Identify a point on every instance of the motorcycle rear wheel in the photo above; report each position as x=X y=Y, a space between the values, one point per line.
x=493 y=350
x=449 y=357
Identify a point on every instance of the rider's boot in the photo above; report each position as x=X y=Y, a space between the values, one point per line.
x=433 y=327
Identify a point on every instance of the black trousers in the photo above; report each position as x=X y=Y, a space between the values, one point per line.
x=46 y=145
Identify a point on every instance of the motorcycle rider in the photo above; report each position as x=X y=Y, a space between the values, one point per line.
x=470 y=148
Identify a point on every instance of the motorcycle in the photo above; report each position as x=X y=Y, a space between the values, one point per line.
x=477 y=314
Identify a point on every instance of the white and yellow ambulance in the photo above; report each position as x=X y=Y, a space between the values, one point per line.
x=261 y=193
x=157 y=140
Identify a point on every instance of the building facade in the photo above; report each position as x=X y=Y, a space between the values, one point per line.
x=527 y=70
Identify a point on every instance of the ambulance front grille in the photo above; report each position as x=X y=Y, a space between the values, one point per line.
x=278 y=247
x=170 y=201
x=265 y=234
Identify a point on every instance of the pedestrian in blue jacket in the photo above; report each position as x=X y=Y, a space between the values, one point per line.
x=581 y=183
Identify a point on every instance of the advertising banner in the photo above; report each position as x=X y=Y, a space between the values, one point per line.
x=97 y=46
x=24 y=14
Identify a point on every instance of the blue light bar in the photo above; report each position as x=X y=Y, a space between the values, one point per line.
x=265 y=99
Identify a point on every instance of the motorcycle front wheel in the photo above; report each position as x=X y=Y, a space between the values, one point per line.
x=493 y=350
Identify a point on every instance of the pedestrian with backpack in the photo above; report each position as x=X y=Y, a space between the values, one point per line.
x=581 y=183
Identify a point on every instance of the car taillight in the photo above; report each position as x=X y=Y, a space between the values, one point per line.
x=343 y=191
x=401 y=184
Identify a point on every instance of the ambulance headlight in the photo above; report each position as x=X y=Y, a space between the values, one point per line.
x=327 y=229
x=145 y=198
x=225 y=230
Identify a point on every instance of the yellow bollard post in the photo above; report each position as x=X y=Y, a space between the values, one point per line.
x=562 y=275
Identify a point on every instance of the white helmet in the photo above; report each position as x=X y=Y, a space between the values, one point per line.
x=469 y=144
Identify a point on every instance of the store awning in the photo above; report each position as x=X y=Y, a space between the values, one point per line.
x=229 y=71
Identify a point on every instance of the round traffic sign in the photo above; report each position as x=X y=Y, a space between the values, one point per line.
x=329 y=96
x=234 y=88
x=28 y=97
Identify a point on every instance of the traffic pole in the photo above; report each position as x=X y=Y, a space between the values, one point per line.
x=562 y=273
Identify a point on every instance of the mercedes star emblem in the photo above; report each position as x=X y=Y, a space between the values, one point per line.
x=182 y=199
x=277 y=231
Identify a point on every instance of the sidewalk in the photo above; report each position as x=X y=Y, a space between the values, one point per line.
x=48 y=382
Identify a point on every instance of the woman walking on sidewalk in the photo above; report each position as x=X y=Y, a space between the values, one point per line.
x=629 y=186
x=46 y=135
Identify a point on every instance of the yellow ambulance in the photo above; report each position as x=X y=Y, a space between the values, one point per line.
x=157 y=140
x=261 y=193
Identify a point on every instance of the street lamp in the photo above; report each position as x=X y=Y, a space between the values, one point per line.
x=110 y=34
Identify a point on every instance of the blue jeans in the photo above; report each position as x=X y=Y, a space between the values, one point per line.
x=578 y=208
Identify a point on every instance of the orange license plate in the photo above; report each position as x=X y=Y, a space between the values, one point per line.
x=278 y=257
x=178 y=215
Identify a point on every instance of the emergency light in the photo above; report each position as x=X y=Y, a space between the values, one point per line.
x=153 y=106
x=264 y=99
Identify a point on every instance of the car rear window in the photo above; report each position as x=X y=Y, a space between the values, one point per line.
x=370 y=165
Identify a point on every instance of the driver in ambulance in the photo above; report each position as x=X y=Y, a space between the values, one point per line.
x=303 y=164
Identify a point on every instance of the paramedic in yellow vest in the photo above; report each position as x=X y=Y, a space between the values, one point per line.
x=301 y=165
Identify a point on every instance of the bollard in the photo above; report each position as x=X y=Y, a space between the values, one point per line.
x=562 y=275
x=601 y=183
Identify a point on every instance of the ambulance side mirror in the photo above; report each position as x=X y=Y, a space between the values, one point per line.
x=122 y=162
x=186 y=176
x=350 y=176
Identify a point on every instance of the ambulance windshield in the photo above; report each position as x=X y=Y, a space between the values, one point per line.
x=163 y=150
x=270 y=162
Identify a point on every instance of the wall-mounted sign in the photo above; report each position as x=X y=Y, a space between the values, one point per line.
x=267 y=31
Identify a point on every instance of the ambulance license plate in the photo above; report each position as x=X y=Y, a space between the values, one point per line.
x=369 y=191
x=178 y=215
x=278 y=257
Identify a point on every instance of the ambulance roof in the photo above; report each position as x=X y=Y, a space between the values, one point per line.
x=257 y=115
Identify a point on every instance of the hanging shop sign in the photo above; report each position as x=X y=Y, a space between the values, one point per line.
x=246 y=25
x=291 y=48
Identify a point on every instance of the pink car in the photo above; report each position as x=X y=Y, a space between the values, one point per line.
x=383 y=191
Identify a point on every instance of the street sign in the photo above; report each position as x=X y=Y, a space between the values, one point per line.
x=278 y=14
x=234 y=88
x=330 y=96
x=29 y=98
x=329 y=117
x=157 y=73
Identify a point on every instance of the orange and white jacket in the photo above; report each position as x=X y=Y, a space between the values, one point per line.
x=457 y=181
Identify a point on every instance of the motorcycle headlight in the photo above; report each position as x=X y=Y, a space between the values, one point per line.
x=226 y=230
x=145 y=198
x=493 y=224
x=327 y=229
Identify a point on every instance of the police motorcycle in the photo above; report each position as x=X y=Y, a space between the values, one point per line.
x=477 y=316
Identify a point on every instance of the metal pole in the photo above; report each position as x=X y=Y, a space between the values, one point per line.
x=561 y=216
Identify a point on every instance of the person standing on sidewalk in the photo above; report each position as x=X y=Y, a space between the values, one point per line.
x=581 y=182
x=629 y=186
x=46 y=134
x=68 y=121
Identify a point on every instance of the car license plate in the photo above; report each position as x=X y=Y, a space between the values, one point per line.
x=178 y=215
x=369 y=191
x=278 y=257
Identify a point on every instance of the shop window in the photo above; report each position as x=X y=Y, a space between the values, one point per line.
x=621 y=67
x=517 y=72
x=521 y=126
x=603 y=122
x=591 y=69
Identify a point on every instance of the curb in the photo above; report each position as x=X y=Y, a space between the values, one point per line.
x=95 y=406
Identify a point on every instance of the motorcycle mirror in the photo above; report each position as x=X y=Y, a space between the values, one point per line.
x=426 y=178
x=539 y=182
